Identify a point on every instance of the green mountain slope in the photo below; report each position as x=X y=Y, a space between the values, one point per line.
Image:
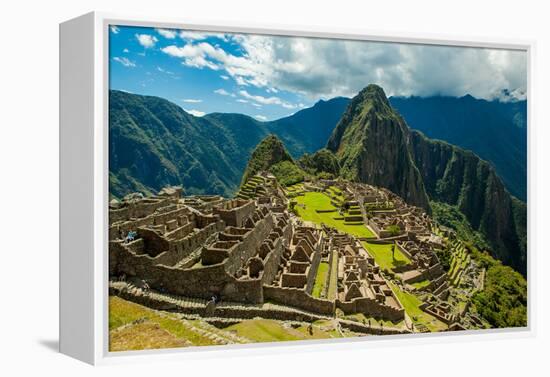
x=322 y=163
x=271 y=155
x=460 y=178
x=154 y=143
x=371 y=143
x=494 y=130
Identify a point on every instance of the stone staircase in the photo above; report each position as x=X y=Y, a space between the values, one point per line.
x=207 y=331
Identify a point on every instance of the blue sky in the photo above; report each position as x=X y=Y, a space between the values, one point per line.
x=269 y=77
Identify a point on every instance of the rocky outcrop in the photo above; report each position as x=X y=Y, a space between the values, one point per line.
x=371 y=143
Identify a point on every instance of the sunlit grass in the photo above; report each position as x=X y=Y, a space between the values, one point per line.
x=411 y=304
x=318 y=200
x=382 y=254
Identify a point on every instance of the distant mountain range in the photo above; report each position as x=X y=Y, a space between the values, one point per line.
x=154 y=143
x=496 y=131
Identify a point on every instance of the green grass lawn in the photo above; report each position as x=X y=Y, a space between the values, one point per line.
x=421 y=284
x=319 y=200
x=360 y=317
x=267 y=330
x=164 y=331
x=383 y=256
x=333 y=283
x=411 y=304
x=320 y=279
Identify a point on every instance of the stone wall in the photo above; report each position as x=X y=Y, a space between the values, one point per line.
x=298 y=298
x=273 y=258
x=371 y=308
x=247 y=248
x=235 y=211
x=312 y=273
x=200 y=282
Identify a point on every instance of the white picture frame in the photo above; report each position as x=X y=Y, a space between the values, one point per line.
x=84 y=188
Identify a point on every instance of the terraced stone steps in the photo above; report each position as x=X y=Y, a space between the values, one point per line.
x=186 y=305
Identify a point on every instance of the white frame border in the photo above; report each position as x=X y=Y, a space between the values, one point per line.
x=100 y=172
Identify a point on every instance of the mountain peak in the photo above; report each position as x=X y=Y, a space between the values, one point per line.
x=373 y=90
x=268 y=152
x=371 y=147
x=372 y=98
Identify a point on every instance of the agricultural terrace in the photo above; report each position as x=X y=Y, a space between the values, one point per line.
x=308 y=204
x=136 y=327
x=320 y=279
x=382 y=253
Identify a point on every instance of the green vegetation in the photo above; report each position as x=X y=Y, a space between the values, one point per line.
x=307 y=205
x=154 y=143
x=394 y=230
x=459 y=261
x=333 y=283
x=445 y=256
x=322 y=163
x=250 y=189
x=503 y=301
x=382 y=254
x=266 y=330
x=268 y=152
x=421 y=284
x=411 y=303
x=360 y=317
x=320 y=279
x=287 y=173
x=450 y=216
x=133 y=327
x=271 y=155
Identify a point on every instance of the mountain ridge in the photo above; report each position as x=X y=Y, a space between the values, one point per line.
x=494 y=130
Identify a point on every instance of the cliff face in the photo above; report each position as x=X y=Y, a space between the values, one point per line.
x=468 y=123
x=371 y=144
x=458 y=177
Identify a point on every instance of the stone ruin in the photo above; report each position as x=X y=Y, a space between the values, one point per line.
x=240 y=250
x=252 y=250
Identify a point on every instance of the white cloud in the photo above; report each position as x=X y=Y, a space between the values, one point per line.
x=193 y=55
x=325 y=68
x=267 y=100
x=146 y=40
x=190 y=100
x=196 y=113
x=126 y=51
x=242 y=100
x=167 y=33
x=115 y=29
x=256 y=105
x=160 y=69
x=201 y=35
x=260 y=117
x=222 y=92
x=124 y=61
